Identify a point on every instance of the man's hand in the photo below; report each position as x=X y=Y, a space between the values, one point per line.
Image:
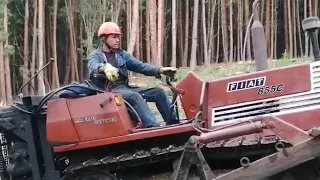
x=111 y=72
x=165 y=70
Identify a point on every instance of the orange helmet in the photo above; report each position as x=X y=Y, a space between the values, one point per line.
x=109 y=28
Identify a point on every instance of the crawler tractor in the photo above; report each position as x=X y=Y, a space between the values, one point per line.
x=266 y=121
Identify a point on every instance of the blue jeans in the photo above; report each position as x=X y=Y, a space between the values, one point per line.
x=137 y=98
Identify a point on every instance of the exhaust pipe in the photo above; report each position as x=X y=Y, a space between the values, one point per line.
x=311 y=26
x=258 y=40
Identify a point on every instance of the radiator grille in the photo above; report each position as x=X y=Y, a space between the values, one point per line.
x=315 y=75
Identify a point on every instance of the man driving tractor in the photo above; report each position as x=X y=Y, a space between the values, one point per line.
x=115 y=63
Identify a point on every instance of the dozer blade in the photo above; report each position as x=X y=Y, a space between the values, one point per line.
x=276 y=163
x=304 y=146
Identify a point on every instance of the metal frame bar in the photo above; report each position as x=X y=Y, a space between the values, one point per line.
x=50 y=172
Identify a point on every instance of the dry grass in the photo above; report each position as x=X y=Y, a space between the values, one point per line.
x=221 y=70
x=2 y=105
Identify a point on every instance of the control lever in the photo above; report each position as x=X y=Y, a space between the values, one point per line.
x=35 y=75
x=170 y=77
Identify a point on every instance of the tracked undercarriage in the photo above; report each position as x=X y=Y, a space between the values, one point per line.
x=253 y=150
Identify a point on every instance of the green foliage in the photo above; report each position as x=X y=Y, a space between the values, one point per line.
x=143 y=4
x=90 y=12
x=62 y=13
x=284 y=61
x=9 y=50
x=3 y=36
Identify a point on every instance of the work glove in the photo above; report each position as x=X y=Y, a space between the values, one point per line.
x=165 y=70
x=111 y=72
x=169 y=72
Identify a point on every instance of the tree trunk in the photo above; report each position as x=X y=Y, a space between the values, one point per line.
x=174 y=34
x=247 y=14
x=83 y=69
x=148 y=32
x=6 y=57
x=2 y=76
x=275 y=30
x=55 y=74
x=204 y=31
x=137 y=43
x=115 y=9
x=67 y=63
x=224 y=30
x=129 y=21
x=295 y=49
x=34 y=45
x=186 y=37
x=268 y=27
x=316 y=6
x=211 y=34
x=41 y=26
x=289 y=20
x=299 y=25
x=306 y=42
x=239 y=42
x=310 y=14
x=272 y=29
x=153 y=32
x=141 y=33
x=218 y=35
x=25 y=69
x=73 y=44
x=193 y=59
x=231 y=31
x=134 y=27
x=180 y=34
x=160 y=30
x=47 y=50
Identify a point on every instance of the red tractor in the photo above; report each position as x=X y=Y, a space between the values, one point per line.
x=242 y=118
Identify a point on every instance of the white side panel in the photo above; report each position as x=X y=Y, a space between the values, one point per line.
x=275 y=106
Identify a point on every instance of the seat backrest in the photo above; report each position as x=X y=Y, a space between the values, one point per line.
x=77 y=92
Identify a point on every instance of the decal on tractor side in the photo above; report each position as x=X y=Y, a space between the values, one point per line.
x=84 y=119
x=270 y=89
x=108 y=120
x=95 y=120
x=246 y=84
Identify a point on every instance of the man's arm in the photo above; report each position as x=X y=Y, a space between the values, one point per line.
x=94 y=64
x=137 y=66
